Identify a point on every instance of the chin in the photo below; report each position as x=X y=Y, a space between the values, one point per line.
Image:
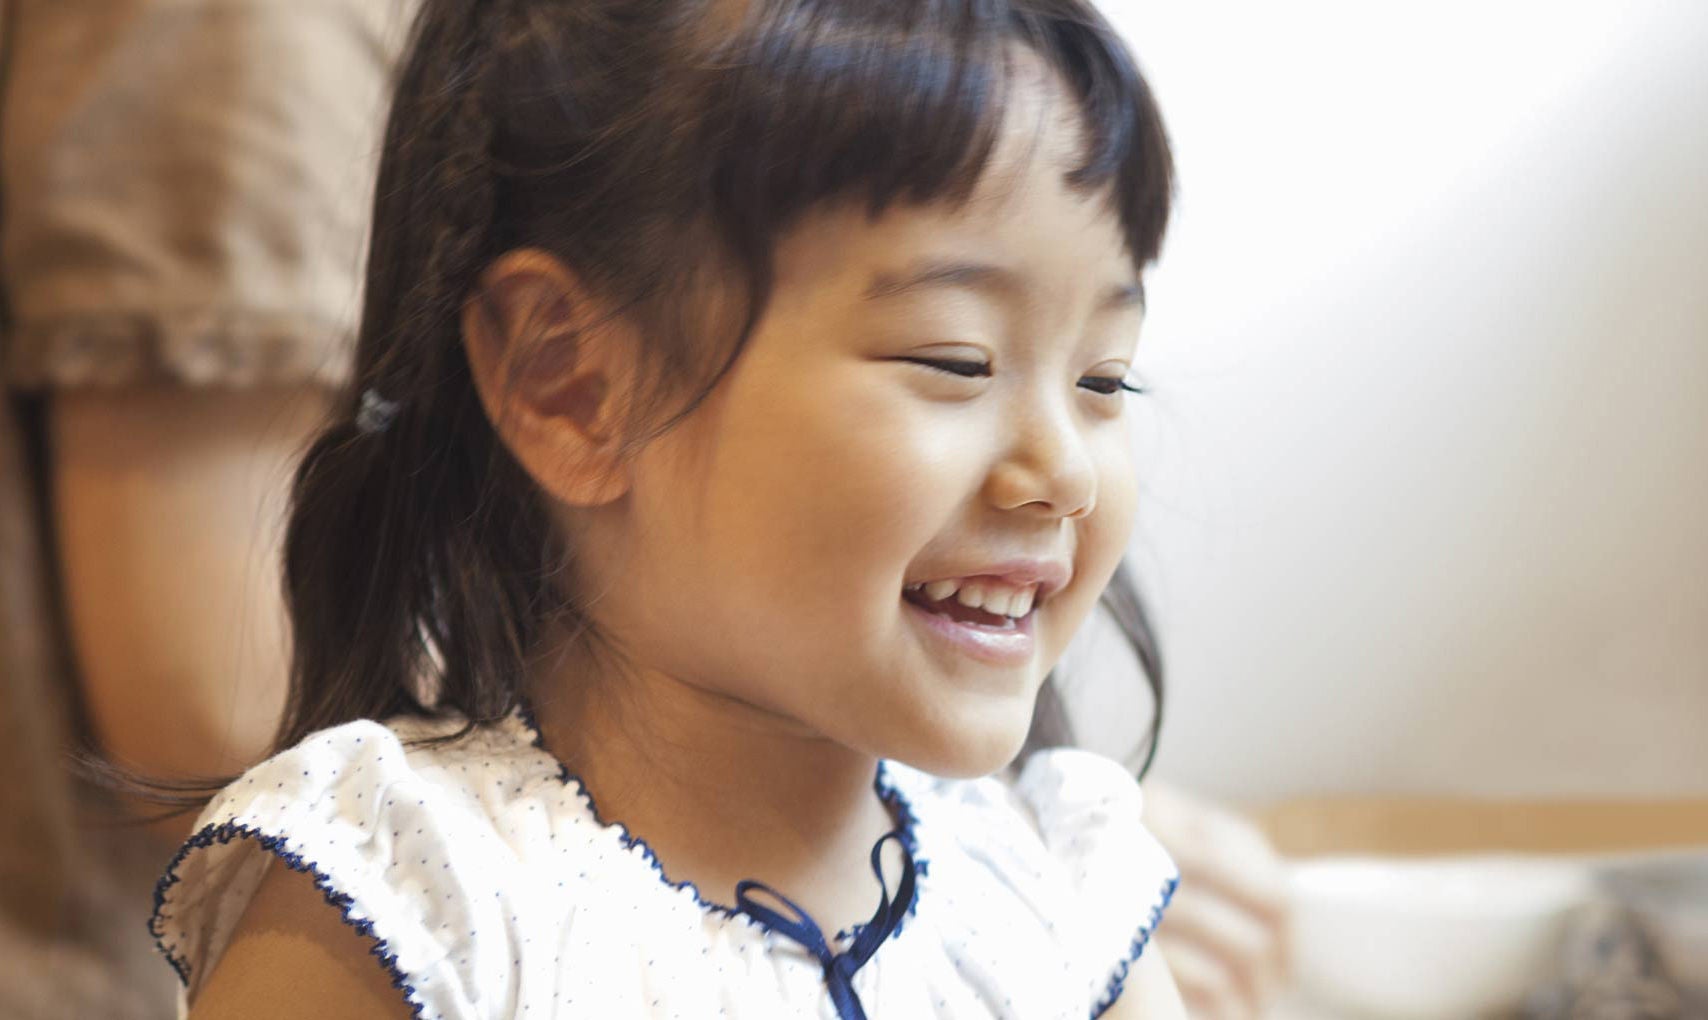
x=967 y=748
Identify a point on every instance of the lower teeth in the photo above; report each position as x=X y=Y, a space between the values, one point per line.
x=1006 y=624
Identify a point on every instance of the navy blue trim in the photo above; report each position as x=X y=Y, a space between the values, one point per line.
x=1136 y=949
x=908 y=823
x=839 y=968
x=882 y=783
x=226 y=832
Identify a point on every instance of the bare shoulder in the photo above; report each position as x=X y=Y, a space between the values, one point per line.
x=293 y=955
x=1149 y=992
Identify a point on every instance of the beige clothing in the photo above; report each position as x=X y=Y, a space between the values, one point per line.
x=186 y=184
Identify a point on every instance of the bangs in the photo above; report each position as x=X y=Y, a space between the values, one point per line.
x=663 y=149
x=811 y=101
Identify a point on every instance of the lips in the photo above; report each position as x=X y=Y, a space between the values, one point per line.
x=1008 y=645
x=965 y=632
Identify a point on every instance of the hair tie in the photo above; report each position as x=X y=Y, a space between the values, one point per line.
x=376 y=412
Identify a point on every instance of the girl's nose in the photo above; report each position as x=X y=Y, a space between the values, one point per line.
x=1045 y=465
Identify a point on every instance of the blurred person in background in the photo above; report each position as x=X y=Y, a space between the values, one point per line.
x=185 y=195
x=185 y=189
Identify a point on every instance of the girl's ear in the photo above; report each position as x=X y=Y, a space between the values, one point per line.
x=554 y=371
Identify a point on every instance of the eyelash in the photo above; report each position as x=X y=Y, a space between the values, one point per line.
x=945 y=366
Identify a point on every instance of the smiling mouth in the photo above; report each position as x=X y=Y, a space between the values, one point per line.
x=993 y=638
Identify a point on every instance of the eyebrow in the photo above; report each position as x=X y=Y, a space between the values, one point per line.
x=984 y=277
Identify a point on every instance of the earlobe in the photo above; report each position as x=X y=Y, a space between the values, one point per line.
x=550 y=383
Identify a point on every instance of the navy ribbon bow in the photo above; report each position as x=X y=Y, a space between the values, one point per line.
x=839 y=968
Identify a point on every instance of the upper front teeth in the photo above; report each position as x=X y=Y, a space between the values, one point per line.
x=992 y=597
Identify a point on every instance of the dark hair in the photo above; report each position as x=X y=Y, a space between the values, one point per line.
x=660 y=149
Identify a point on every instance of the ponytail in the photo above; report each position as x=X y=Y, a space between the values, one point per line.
x=408 y=583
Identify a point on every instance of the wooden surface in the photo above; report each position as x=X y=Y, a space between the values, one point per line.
x=1419 y=826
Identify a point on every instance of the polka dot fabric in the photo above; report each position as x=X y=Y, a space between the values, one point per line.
x=488 y=886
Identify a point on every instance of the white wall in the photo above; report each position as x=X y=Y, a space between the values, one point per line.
x=1427 y=466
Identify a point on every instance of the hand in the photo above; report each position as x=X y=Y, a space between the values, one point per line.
x=1225 y=933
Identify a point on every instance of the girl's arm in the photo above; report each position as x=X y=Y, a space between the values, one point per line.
x=1149 y=993
x=293 y=956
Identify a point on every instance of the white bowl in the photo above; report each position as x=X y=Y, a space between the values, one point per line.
x=1430 y=938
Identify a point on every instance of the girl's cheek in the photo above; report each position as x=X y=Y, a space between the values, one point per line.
x=1118 y=491
x=1120 y=514
x=1102 y=541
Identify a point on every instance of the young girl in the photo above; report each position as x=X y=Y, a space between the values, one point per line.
x=737 y=441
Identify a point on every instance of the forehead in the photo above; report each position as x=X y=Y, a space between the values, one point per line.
x=1022 y=217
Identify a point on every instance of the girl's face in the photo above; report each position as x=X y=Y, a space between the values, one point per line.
x=765 y=545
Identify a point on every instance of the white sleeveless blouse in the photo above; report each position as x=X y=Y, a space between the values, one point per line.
x=491 y=888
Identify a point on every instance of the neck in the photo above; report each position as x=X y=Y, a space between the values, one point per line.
x=720 y=789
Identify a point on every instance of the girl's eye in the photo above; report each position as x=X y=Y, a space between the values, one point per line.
x=966 y=369
x=1110 y=386
x=1105 y=385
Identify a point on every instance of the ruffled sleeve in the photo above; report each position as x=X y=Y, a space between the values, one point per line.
x=348 y=807
x=1088 y=809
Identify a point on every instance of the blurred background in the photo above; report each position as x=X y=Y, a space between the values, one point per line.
x=1423 y=468
x=1429 y=456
